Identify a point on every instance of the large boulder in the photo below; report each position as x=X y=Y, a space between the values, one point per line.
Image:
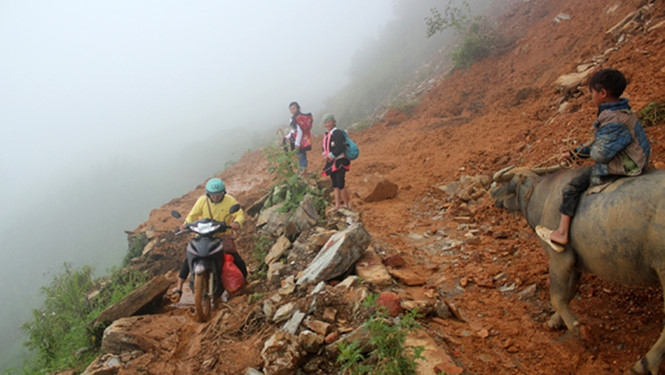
x=337 y=256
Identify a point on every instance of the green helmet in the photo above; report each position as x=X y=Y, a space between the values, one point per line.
x=215 y=186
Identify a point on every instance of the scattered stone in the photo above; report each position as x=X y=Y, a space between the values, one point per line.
x=384 y=189
x=435 y=358
x=278 y=248
x=321 y=328
x=329 y=314
x=528 y=292
x=395 y=261
x=281 y=354
x=391 y=302
x=284 y=312
x=274 y=271
x=372 y=270
x=406 y=276
x=288 y=286
x=292 y=325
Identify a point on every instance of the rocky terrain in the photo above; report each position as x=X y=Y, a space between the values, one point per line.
x=432 y=235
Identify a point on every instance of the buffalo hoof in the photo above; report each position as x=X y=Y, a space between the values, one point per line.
x=555 y=323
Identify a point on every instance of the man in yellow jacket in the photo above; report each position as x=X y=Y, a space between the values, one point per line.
x=216 y=205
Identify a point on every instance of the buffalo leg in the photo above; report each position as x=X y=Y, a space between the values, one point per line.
x=563 y=285
x=651 y=361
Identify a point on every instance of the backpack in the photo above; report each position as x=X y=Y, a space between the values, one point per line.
x=352 y=150
x=305 y=121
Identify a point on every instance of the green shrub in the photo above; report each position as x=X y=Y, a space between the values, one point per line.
x=389 y=355
x=477 y=37
x=136 y=244
x=59 y=333
x=290 y=187
x=652 y=114
x=406 y=106
x=261 y=247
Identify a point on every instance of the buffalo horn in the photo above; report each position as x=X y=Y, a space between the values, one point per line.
x=546 y=170
x=500 y=173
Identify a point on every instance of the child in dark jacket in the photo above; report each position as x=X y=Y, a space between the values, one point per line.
x=620 y=148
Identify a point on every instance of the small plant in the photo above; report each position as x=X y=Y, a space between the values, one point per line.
x=255 y=297
x=653 y=114
x=261 y=247
x=478 y=39
x=389 y=355
x=406 y=106
x=290 y=188
x=59 y=329
x=136 y=244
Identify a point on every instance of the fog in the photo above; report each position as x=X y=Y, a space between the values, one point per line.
x=110 y=109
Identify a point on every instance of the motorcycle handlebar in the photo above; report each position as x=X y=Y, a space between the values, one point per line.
x=223 y=226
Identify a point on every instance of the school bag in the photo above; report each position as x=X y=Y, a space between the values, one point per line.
x=305 y=121
x=352 y=150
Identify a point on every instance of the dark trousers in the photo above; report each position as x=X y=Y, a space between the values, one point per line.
x=573 y=191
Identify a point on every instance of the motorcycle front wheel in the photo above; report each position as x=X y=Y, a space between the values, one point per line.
x=202 y=296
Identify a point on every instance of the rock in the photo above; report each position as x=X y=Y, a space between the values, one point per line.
x=288 y=286
x=274 y=271
x=337 y=256
x=321 y=328
x=424 y=307
x=252 y=371
x=149 y=246
x=310 y=341
x=292 y=325
x=272 y=221
x=107 y=364
x=277 y=249
x=383 y=189
x=628 y=24
x=406 y=276
x=329 y=314
x=436 y=359
x=528 y=292
x=372 y=270
x=119 y=337
x=135 y=301
x=395 y=261
x=304 y=217
x=284 y=312
x=391 y=302
x=570 y=82
x=281 y=354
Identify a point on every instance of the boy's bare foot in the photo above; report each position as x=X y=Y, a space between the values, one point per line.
x=545 y=235
x=558 y=237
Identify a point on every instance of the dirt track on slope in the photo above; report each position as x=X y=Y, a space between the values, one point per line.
x=504 y=110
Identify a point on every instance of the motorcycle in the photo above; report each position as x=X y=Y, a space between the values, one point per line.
x=204 y=253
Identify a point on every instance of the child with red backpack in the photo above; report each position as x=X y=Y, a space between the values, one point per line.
x=300 y=136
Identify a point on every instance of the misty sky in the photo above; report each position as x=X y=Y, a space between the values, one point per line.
x=89 y=89
x=82 y=80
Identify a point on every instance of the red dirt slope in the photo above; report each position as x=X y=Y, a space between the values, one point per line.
x=504 y=110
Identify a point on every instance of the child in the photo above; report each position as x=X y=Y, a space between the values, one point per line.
x=621 y=148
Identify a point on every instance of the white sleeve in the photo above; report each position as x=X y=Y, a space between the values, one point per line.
x=298 y=136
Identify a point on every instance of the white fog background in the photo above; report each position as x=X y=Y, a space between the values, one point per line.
x=106 y=107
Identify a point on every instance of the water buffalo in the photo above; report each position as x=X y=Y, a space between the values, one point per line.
x=617 y=234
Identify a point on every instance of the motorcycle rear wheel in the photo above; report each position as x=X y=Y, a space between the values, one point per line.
x=202 y=296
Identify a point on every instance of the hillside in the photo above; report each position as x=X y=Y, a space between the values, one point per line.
x=505 y=110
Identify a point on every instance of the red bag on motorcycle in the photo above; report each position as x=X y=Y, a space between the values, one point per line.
x=232 y=277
